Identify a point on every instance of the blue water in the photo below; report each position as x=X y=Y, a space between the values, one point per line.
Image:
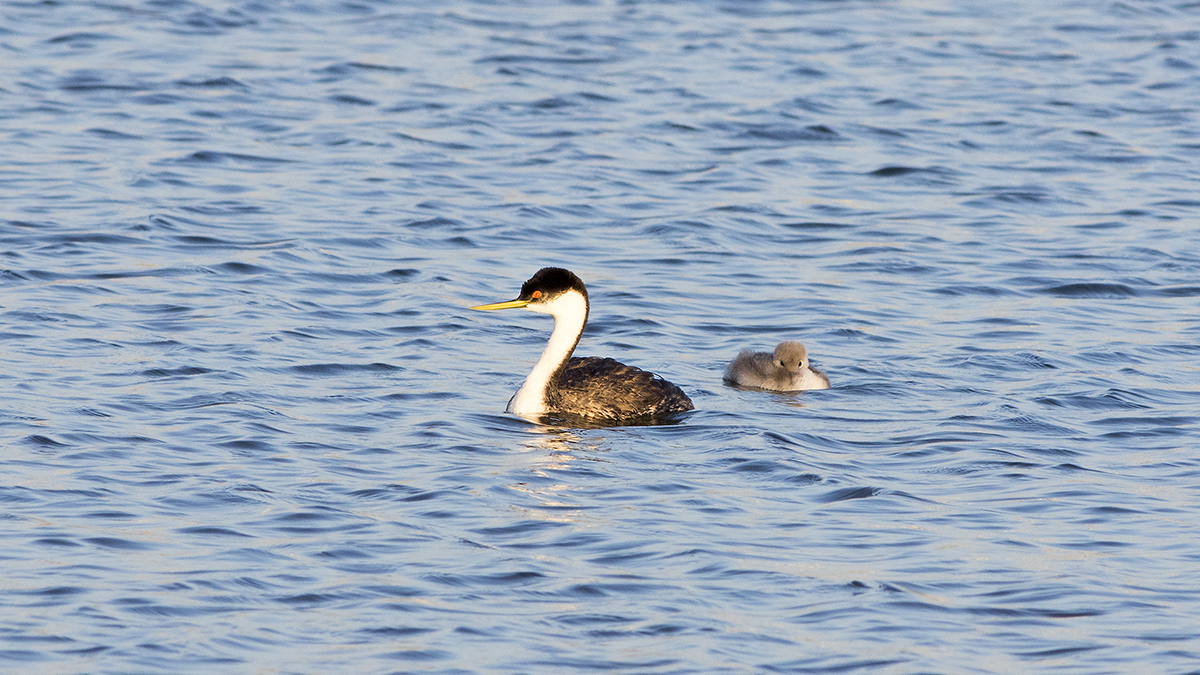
x=250 y=425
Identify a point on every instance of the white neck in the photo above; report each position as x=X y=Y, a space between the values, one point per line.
x=570 y=311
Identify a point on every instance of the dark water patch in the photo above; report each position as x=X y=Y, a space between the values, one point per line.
x=1090 y=290
x=393 y=491
x=57 y=541
x=358 y=68
x=931 y=174
x=393 y=591
x=56 y=592
x=427 y=495
x=670 y=488
x=23 y=655
x=310 y=599
x=138 y=274
x=339 y=369
x=420 y=655
x=1112 y=399
x=10 y=494
x=897 y=104
x=357 y=242
x=183 y=371
x=92 y=238
x=631 y=587
x=223 y=82
x=1068 y=466
x=844 y=494
x=118 y=544
x=111 y=134
x=396 y=631
x=81 y=39
x=207 y=242
x=818 y=226
x=240 y=268
x=445 y=145
x=430 y=396
x=742 y=465
x=44 y=441
x=438 y=222
x=211 y=531
x=545 y=60
x=1030 y=360
x=347 y=99
x=161 y=99
x=588 y=665
x=520 y=528
x=248 y=445
x=1004 y=196
x=680 y=171
x=974 y=290
x=344 y=554
x=1143 y=421
x=1102 y=225
x=1111 y=358
x=1173 y=349
x=556 y=102
x=155 y=610
x=91 y=81
x=314 y=523
x=109 y=515
x=1189 y=204
x=216 y=157
x=593 y=619
x=893 y=267
x=400 y=274
x=830 y=665
x=784 y=133
x=502 y=579
x=1038 y=655
x=28 y=224
x=206 y=21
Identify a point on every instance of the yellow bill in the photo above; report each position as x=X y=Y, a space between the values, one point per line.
x=511 y=304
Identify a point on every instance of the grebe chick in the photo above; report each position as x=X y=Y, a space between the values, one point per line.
x=592 y=387
x=785 y=370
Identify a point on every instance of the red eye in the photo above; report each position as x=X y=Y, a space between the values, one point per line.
x=537 y=294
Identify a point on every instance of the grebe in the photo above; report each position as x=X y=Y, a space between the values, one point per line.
x=592 y=387
x=785 y=370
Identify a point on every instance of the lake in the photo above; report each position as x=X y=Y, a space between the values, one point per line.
x=251 y=425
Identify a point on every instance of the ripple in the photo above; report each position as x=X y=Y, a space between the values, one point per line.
x=340 y=369
x=844 y=494
x=118 y=544
x=247 y=406
x=1090 y=290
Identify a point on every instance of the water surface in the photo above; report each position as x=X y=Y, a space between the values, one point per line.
x=250 y=425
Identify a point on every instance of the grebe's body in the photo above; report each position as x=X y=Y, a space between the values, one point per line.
x=591 y=387
x=785 y=370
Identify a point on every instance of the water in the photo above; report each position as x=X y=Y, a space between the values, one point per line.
x=251 y=427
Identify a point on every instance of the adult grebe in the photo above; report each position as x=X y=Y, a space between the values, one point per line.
x=785 y=370
x=592 y=387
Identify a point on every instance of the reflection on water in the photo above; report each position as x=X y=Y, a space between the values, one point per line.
x=554 y=452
